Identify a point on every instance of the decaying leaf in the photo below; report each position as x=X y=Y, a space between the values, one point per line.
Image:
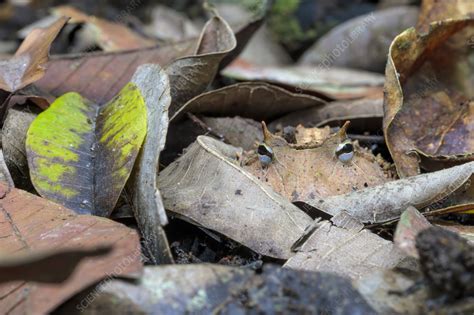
x=386 y=202
x=100 y=76
x=333 y=83
x=386 y=291
x=36 y=267
x=153 y=84
x=350 y=253
x=14 y=131
x=207 y=187
x=81 y=155
x=411 y=223
x=309 y=173
x=428 y=101
x=432 y=11
x=32 y=224
x=109 y=36
x=362 y=42
x=29 y=62
x=214 y=289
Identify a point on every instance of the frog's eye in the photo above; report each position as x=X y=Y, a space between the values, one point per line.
x=265 y=154
x=345 y=151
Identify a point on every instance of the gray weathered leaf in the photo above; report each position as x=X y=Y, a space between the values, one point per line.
x=351 y=253
x=15 y=127
x=207 y=187
x=4 y=172
x=388 y=201
x=146 y=201
x=333 y=83
x=362 y=42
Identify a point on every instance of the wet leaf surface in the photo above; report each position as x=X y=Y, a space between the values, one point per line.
x=32 y=224
x=81 y=155
x=429 y=99
x=215 y=192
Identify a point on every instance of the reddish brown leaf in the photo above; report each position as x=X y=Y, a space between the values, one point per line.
x=30 y=223
x=435 y=10
x=37 y=266
x=28 y=63
x=99 y=77
x=109 y=36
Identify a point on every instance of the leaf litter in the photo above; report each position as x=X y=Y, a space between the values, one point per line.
x=248 y=173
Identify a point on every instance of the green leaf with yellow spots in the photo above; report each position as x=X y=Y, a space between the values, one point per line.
x=81 y=154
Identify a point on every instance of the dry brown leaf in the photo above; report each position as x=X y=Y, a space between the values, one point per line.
x=31 y=223
x=110 y=36
x=435 y=10
x=259 y=101
x=428 y=100
x=100 y=76
x=350 y=253
x=207 y=187
x=29 y=62
x=302 y=173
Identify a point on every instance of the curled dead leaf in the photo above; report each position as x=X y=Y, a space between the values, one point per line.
x=428 y=100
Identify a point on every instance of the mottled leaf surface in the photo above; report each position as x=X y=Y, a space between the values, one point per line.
x=303 y=172
x=428 y=100
x=81 y=155
x=33 y=224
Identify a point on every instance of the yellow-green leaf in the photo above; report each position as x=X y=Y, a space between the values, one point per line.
x=81 y=154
